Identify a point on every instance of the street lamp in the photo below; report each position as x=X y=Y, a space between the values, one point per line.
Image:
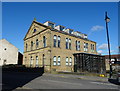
x=107 y=19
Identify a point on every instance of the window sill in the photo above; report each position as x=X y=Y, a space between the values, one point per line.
x=57 y=47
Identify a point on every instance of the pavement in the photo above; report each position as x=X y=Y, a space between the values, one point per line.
x=33 y=81
x=67 y=81
x=92 y=78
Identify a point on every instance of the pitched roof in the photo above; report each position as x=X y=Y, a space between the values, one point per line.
x=47 y=27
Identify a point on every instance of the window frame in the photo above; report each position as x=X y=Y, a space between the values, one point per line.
x=44 y=41
x=54 y=60
x=31 y=61
x=37 y=43
x=55 y=41
x=70 y=61
x=59 y=38
x=67 y=42
x=78 y=46
x=37 y=61
x=32 y=45
x=59 y=61
x=70 y=44
x=67 y=63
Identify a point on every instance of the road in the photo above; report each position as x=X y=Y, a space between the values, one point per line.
x=14 y=81
x=51 y=82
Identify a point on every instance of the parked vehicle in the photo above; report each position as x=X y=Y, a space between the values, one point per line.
x=116 y=72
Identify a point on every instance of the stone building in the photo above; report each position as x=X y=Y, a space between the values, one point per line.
x=52 y=47
x=8 y=53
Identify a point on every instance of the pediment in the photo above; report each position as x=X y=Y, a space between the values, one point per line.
x=34 y=29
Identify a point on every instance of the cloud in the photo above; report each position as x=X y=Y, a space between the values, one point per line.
x=100 y=51
x=114 y=51
x=95 y=28
x=103 y=46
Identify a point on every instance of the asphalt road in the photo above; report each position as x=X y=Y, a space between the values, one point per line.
x=16 y=80
x=52 y=82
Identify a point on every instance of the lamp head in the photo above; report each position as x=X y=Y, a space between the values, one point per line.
x=107 y=19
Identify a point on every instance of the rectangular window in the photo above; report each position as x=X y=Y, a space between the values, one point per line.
x=69 y=43
x=51 y=25
x=44 y=41
x=78 y=45
x=70 y=31
x=70 y=62
x=61 y=28
x=66 y=60
x=58 y=41
x=54 y=61
x=37 y=43
x=66 y=43
x=55 y=40
x=58 y=60
x=31 y=61
x=86 y=46
x=31 y=45
x=92 y=47
x=36 y=61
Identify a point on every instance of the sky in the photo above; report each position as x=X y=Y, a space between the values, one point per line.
x=86 y=17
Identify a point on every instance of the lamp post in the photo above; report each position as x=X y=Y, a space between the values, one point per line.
x=107 y=19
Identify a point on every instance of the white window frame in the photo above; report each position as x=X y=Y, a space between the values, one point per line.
x=66 y=61
x=37 y=43
x=70 y=61
x=59 y=63
x=54 y=60
x=69 y=44
x=31 y=61
x=55 y=38
x=37 y=59
x=59 y=41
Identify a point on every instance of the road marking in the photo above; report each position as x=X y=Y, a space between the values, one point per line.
x=102 y=83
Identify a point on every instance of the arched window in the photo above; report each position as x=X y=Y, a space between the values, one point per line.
x=55 y=41
x=54 y=60
x=58 y=60
x=31 y=61
x=58 y=41
x=69 y=43
x=31 y=45
x=36 y=61
x=37 y=43
x=66 y=60
x=44 y=41
x=66 y=43
x=78 y=45
x=34 y=30
x=70 y=62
